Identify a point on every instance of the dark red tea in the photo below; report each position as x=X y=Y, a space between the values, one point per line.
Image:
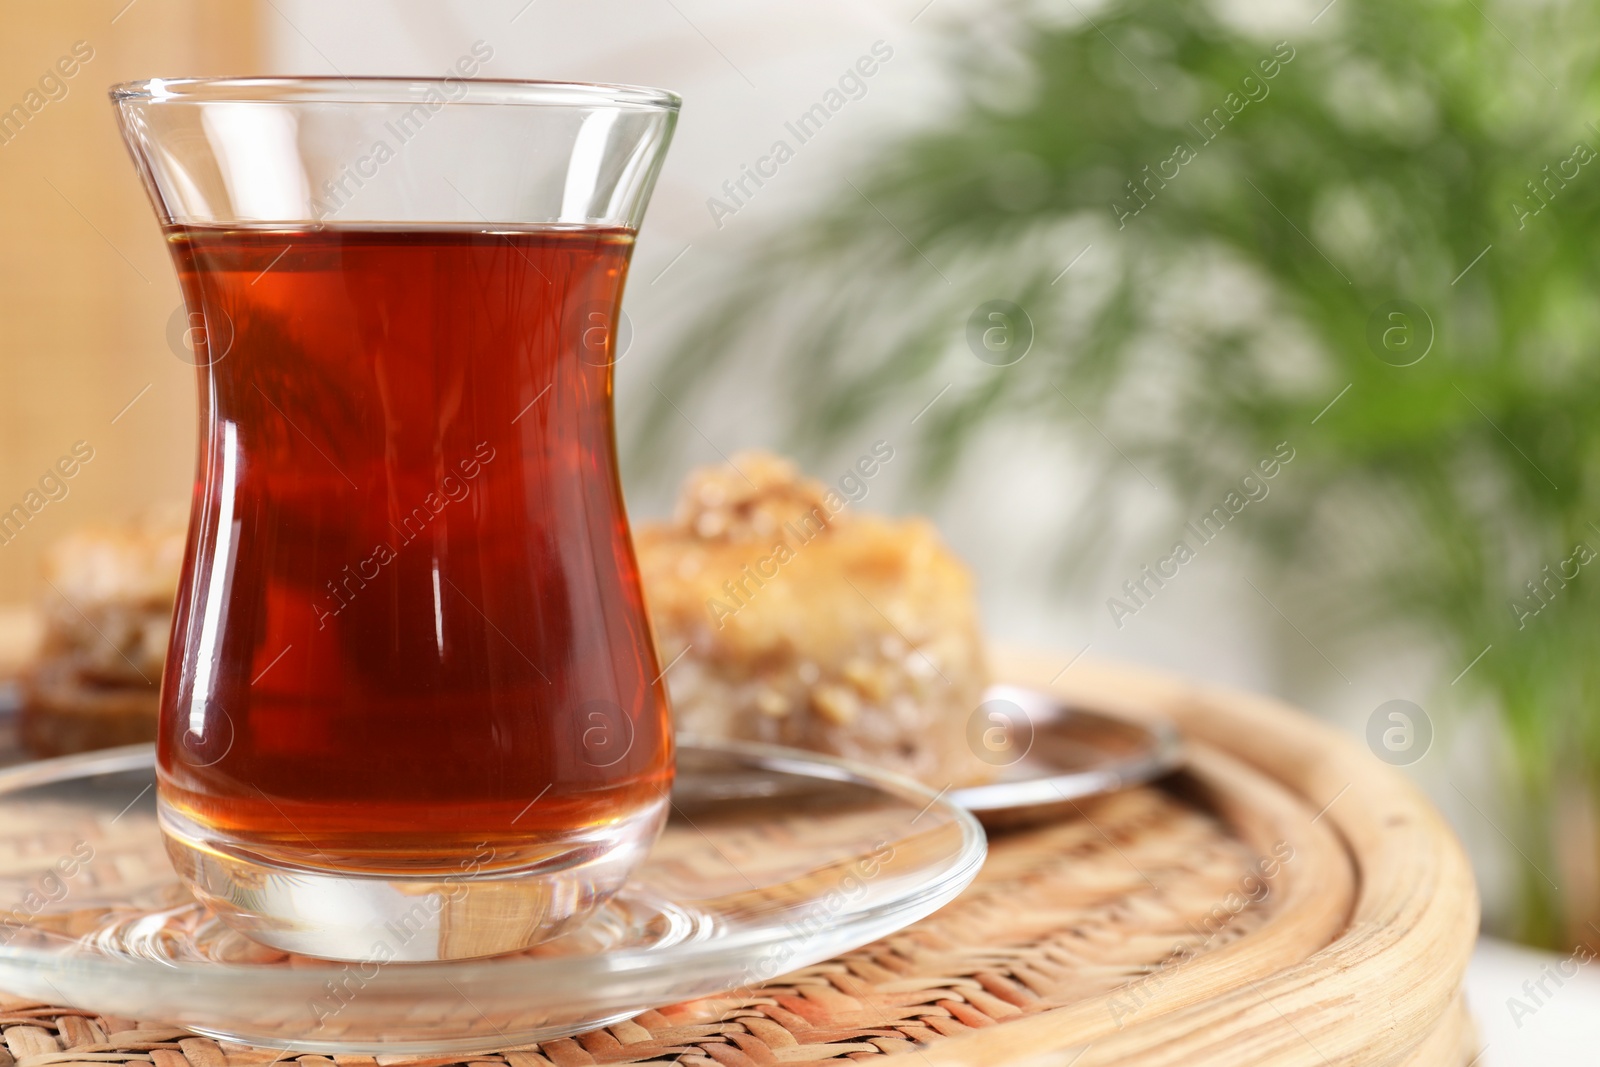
x=422 y=635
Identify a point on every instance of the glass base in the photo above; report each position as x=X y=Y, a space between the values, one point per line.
x=382 y=917
x=772 y=860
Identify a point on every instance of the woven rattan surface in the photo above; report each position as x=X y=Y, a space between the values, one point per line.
x=1224 y=916
x=1058 y=915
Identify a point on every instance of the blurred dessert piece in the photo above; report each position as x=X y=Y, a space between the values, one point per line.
x=20 y=634
x=97 y=678
x=789 y=618
x=20 y=630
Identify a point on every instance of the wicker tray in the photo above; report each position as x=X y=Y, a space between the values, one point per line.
x=1145 y=930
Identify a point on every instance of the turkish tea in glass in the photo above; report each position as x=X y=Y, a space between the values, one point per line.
x=412 y=708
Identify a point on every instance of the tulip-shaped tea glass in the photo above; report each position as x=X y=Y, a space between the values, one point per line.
x=412 y=709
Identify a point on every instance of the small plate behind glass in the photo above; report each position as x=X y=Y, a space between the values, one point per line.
x=737 y=891
x=1053 y=753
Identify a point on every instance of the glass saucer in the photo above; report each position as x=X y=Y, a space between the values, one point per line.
x=740 y=888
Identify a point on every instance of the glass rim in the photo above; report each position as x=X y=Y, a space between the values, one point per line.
x=368 y=89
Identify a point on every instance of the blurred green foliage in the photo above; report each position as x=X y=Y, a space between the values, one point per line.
x=1397 y=144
